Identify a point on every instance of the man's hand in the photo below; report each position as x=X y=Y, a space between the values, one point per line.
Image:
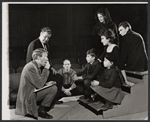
x=94 y=83
x=54 y=71
x=47 y=65
x=50 y=83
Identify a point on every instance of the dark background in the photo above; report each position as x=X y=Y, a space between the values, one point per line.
x=71 y=24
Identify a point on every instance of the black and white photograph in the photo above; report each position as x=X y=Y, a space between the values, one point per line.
x=75 y=61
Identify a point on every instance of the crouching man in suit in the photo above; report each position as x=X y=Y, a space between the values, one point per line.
x=32 y=78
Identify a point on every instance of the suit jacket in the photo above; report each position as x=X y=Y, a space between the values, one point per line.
x=32 y=46
x=31 y=78
x=92 y=71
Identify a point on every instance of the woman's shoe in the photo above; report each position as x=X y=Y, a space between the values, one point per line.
x=104 y=108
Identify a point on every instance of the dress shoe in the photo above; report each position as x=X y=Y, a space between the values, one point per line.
x=45 y=115
x=97 y=102
x=31 y=116
x=90 y=100
x=85 y=97
x=109 y=104
x=59 y=102
x=104 y=108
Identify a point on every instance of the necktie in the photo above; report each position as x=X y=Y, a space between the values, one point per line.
x=45 y=46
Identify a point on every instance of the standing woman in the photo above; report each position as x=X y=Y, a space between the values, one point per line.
x=105 y=22
x=108 y=39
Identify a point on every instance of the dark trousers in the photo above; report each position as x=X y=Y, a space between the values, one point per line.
x=87 y=89
x=59 y=82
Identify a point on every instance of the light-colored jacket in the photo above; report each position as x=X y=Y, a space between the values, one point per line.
x=31 y=78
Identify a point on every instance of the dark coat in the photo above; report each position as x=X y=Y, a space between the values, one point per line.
x=31 y=78
x=110 y=86
x=32 y=46
x=91 y=72
x=133 y=52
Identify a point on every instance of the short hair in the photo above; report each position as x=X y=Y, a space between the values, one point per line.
x=125 y=24
x=66 y=60
x=93 y=52
x=109 y=34
x=46 y=29
x=38 y=52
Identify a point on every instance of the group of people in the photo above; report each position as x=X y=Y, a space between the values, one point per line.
x=102 y=82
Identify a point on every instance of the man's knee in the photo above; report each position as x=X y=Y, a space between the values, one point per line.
x=87 y=82
x=53 y=89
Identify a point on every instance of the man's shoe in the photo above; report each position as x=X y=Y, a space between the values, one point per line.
x=45 y=115
x=31 y=116
x=59 y=102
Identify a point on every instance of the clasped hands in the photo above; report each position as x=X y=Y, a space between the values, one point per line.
x=67 y=92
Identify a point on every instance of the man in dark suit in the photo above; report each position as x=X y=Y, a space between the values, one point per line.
x=42 y=42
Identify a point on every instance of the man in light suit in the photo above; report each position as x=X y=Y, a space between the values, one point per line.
x=33 y=78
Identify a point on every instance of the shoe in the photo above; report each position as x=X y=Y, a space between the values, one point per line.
x=59 y=102
x=104 y=108
x=85 y=97
x=97 y=102
x=90 y=100
x=45 y=115
x=31 y=116
x=109 y=104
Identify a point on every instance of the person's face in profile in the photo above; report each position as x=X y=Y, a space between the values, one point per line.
x=100 y=18
x=90 y=58
x=43 y=60
x=45 y=37
x=104 y=40
x=122 y=30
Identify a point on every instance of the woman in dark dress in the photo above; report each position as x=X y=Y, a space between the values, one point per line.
x=105 y=22
x=107 y=38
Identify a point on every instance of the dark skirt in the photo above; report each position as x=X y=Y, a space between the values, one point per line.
x=111 y=94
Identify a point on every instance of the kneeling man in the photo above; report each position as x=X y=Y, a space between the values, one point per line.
x=32 y=78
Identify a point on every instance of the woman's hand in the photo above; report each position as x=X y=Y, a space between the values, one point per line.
x=94 y=83
x=129 y=84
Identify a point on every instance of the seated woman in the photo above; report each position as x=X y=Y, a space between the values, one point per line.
x=109 y=86
x=108 y=40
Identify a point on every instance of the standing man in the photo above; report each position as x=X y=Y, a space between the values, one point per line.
x=42 y=42
x=32 y=78
x=133 y=50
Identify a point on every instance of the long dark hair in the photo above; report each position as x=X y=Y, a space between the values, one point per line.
x=105 y=13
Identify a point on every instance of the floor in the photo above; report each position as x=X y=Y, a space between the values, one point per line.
x=72 y=110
